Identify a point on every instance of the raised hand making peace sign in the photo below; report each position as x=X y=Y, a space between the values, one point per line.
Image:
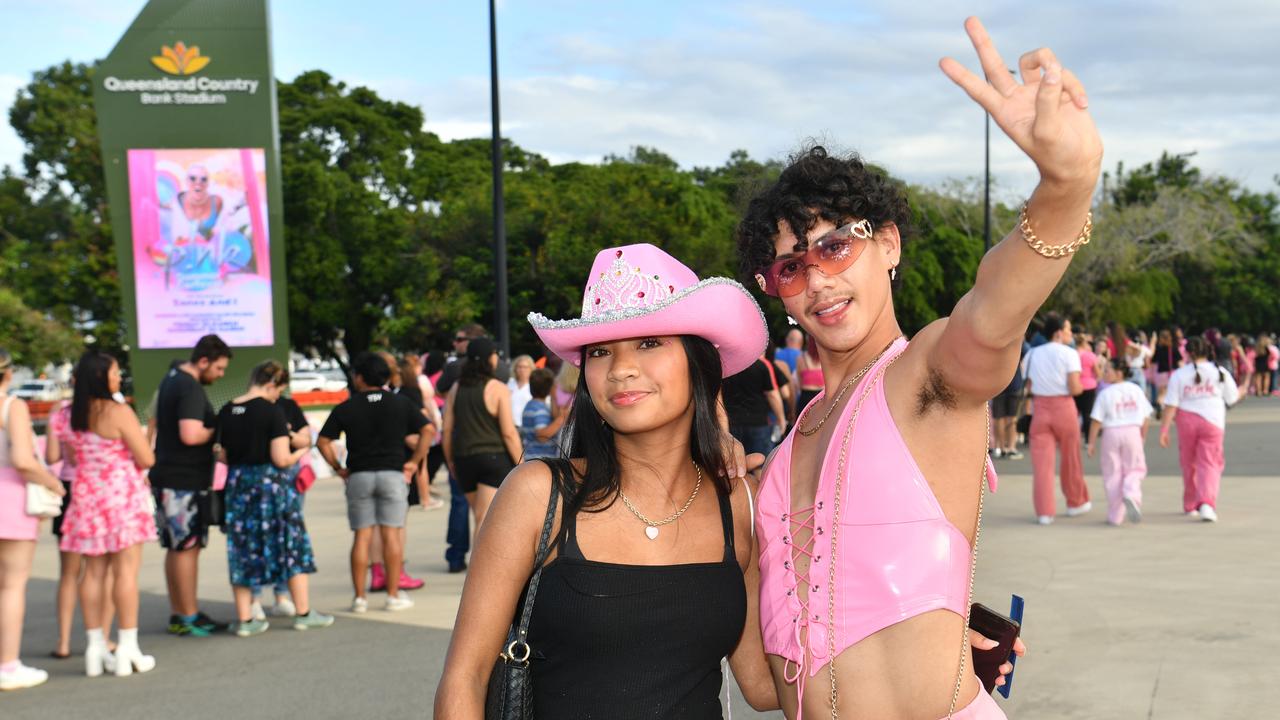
x=1046 y=114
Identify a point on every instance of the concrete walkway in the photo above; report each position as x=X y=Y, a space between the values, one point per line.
x=1169 y=619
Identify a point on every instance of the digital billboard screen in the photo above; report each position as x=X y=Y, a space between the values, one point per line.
x=201 y=251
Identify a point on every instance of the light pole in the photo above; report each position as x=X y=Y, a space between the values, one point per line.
x=500 y=309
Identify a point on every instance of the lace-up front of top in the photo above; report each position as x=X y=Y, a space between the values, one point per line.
x=898 y=555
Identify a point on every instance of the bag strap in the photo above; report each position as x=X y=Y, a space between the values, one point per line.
x=522 y=630
x=973 y=573
x=8 y=429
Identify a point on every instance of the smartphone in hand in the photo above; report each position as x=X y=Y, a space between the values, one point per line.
x=1004 y=630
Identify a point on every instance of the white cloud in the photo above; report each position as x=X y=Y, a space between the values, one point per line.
x=1185 y=76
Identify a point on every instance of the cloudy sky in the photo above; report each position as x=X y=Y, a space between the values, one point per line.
x=585 y=78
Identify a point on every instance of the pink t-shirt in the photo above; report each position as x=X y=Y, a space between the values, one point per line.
x=1273 y=358
x=1088 y=360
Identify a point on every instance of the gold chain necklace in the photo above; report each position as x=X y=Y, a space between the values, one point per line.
x=839 y=396
x=651 y=526
x=831 y=571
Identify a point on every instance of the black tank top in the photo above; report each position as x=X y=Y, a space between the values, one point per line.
x=615 y=642
x=475 y=429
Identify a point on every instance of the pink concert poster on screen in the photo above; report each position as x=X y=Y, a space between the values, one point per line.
x=201 y=255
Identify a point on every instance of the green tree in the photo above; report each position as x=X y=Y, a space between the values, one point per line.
x=356 y=191
x=33 y=339
x=65 y=263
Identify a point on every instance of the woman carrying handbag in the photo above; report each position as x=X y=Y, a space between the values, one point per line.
x=19 y=468
x=111 y=514
x=267 y=539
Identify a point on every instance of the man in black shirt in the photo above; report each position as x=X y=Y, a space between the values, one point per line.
x=379 y=425
x=453 y=370
x=748 y=398
x=182 y=477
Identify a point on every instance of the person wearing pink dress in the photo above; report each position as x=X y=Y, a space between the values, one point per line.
x=18 y=530
x=110 y=515
x=58 y=452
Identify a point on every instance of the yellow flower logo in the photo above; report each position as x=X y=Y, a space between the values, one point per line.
x=180 y=59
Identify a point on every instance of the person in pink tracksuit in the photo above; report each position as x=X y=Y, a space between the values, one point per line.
x=1198 y=396
x=1122 y=415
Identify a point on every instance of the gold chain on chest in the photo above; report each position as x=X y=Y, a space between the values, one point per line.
x=835 y=536
x=840 y=395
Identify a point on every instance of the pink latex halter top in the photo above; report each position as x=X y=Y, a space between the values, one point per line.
x=899 y=556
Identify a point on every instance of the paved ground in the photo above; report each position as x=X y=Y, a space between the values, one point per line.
x=1169 y=619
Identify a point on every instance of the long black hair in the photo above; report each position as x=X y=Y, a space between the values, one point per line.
x=590 y=438
x=476 y=370
x=91 y=384
x=1198 y=347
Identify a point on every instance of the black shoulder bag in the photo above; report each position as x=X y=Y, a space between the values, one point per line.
x=213 y=503
x=510 y=695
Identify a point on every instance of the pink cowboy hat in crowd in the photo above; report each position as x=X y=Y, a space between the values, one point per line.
x=641 y=291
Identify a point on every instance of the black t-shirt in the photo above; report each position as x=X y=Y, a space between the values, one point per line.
x=180 y=466
x=449 y=376
x=744 y=395
x=246 y=430
x=779 y=377
x=376 y=424
x=293 y=414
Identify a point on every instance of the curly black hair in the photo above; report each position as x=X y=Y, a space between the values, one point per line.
x=817 y=185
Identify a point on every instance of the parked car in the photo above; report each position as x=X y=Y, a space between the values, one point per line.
x=301 y=382
x=41 y=391
x=335 y=380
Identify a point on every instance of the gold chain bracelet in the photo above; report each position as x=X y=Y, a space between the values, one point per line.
x=1054 y=252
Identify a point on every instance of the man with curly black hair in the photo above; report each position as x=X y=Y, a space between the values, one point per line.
x=869 y=511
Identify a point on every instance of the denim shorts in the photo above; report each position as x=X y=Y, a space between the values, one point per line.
x=377 y=497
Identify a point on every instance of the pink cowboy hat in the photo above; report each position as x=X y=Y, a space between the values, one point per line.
x=639 y=291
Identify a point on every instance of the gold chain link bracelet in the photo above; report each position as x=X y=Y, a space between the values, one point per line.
x=1054 y=252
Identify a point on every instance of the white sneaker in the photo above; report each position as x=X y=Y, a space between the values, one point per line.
x=1193 y=514
x=1045 y=519
x=401 y=601
x=284 y=607
x=1207 y=513
x=23 y=677
x=1077 y=511
x=360 y=605
x=1132 y=512
x=255 y=611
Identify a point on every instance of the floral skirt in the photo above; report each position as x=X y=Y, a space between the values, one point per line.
x=267 y=539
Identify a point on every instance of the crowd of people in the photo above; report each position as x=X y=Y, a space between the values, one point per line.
x=1074 y=388
x=246 y=467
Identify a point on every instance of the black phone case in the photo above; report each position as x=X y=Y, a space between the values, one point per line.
x=986 y=663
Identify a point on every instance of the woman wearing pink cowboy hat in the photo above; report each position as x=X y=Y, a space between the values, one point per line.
x=650 y=574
